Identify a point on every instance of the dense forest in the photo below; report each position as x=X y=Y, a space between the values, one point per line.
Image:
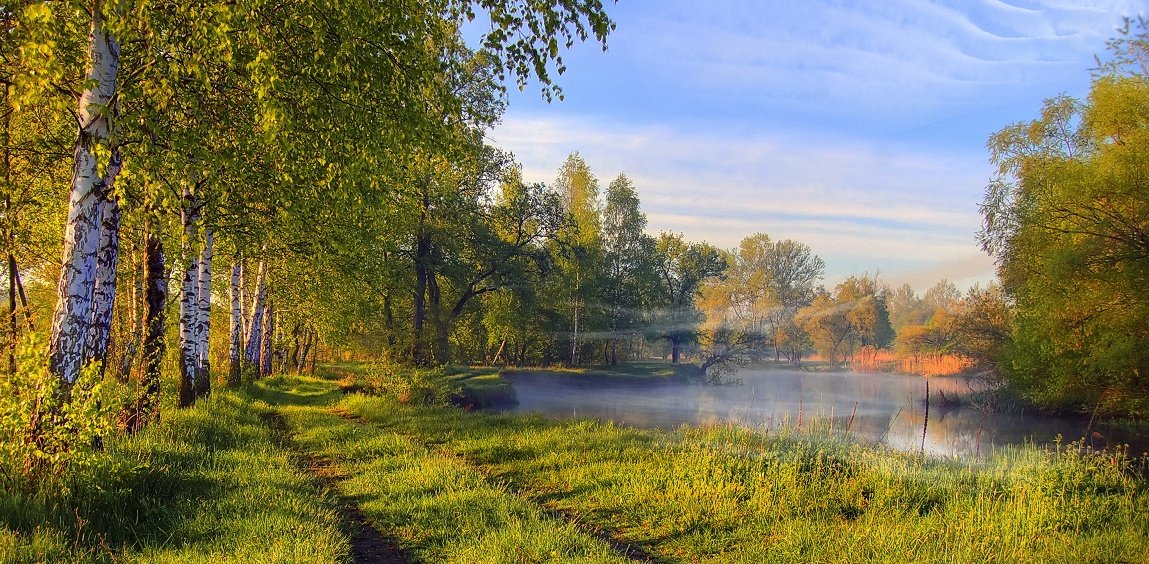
x=243 y=187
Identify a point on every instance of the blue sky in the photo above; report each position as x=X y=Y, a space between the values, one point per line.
x=858 y=128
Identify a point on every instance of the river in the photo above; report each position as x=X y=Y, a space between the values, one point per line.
x=875 y=408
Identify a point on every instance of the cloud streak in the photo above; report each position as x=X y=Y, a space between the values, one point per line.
x=857 y=128
x=859 y=207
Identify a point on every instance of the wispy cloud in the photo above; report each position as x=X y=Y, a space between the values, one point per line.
x=897 y=59
x=861 y=208
x=855 y=127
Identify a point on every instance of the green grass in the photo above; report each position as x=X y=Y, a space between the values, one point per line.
x=223 y=482
x=438 y=507
x=726 y=494
x=210 y=484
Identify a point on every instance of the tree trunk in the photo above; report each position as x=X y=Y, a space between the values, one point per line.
x=189 y=302
x=314 y=349
x=307 y=345
x=74 y=290
x=147 y=404
x=499 y=353
x=442 y=351
x=255 y=330
x=104 y=291
x=13 y=320
x=675 y=344
x=419 y=304
x=235 y=340
x=203 y=316
x=265 y=341
x=135 y=320
x=244 y=313
x=574 y=318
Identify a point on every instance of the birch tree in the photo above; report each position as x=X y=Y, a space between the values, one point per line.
x=96 y=163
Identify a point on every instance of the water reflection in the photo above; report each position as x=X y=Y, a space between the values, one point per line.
x=884 y=408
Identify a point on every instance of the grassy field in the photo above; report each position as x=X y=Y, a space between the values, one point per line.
x=211 y=484
x=729 y=495
x=236 y=479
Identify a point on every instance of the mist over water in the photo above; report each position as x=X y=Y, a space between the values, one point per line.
x=890 y=409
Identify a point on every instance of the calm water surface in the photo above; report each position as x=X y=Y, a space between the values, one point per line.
x=889 y=409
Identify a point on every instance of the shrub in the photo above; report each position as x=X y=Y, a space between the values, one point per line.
x=46 y=425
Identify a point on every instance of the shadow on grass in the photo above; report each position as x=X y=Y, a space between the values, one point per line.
x=205 y=480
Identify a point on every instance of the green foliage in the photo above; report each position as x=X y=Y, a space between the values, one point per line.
x=416 y=386
x=683 y=268
x=854 y=316
x=1065 y=219
x=46 y=428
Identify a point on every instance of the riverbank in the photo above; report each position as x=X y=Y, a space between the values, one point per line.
x=270 y=470
x=636 y=372
x=969 y=415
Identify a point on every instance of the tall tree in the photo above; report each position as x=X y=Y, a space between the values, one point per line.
x=682 y=269
x=582 y=254
x=96 y=163
x=1065 y=217
x=628 y=251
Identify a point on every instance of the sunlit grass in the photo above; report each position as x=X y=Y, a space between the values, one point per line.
x=220 y=482
x=209 y=484
x=728 y=494
x=438 y=507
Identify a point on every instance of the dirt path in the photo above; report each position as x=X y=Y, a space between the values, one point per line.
x=368 y=545
x=626 y=550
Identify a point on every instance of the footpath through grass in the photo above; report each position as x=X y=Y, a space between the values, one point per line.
x=209 y=484
x=437 y=506
x=225 y=481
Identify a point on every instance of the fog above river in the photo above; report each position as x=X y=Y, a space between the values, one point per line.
x=877 y=408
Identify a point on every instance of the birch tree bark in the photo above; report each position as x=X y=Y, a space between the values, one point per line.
x=189 y=301
x=74 y=291
x=104 y=290
x=266 y=340
x=203 y=316
x=235 y=339
x=255 y=330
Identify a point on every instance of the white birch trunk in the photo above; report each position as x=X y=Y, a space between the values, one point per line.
x=189 y=302
x=74 y=291
x=244 y=313
x=255 y=330
x=235 y=341
x=203 y=316
x=107 y=260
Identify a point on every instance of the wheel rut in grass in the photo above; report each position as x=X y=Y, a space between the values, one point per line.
x=624 y=549
x=368 y=545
